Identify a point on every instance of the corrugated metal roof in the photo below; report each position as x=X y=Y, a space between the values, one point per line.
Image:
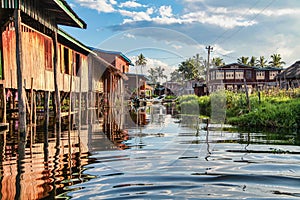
x=115 y=53
x=48 y=12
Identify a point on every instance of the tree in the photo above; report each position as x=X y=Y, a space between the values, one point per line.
x=243 y=60
x=141 y=61
x=252 y=61
x=261 y=62
x=176 y=76
x=192 y=68
x=153 y=75
x=186 y=69
x=276 y=61
x=160 y=73
x=218 y=62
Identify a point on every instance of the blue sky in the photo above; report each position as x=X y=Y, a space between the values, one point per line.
x=168 y=32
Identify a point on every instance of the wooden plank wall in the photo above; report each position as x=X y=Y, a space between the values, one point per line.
x=38 y=62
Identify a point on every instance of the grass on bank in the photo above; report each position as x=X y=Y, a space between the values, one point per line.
x=273 y=109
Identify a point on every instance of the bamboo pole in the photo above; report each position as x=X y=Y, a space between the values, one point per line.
x=21 y=102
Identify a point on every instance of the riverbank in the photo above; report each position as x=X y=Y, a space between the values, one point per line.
x=268 y=109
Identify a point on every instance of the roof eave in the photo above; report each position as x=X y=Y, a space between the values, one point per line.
x=68 y=10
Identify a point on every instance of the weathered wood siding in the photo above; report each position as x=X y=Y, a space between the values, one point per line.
x=96 y=74
x=69 y=70
x=37 y=56
x=37 y=50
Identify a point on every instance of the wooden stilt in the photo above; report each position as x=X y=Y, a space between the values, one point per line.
x=70 y=100
x=31 y=101
x=21 y=103
x=86 y=107
x=56 y=70
x=34 y=108
x=46 y=107
x=3 y=100
x=79 y=111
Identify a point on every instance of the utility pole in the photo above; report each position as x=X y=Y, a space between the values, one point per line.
x=209 y=50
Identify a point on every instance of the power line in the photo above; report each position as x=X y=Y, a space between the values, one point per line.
x=228 y=29
x=237 y=31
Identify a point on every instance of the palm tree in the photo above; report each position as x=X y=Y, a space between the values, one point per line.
x=218 y=62
x=141 y=61
x=276 y=61
x=176 y=76
x=261 y=62
x=153 y=75
x=160 y=72
x=187 y=69
x=243 y=60
x=252 y=61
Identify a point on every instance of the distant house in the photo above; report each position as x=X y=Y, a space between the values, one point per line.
x=235 y=76
x=137 y=81
x=115 y=75
x=200 y=89
x=115 y=58
x=290 y=77
x=181 y=88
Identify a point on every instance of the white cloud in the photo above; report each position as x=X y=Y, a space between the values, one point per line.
x=135 y=16
x=223 y=21
x=128 y=35
x=165 y=11
x=221 y=51
x=130 y=4
x=113 y=2
x=176 y=46
x=99 y=5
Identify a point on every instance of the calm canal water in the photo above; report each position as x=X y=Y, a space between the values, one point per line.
x=152 y=155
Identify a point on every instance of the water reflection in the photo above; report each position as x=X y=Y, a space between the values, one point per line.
x=148 y=152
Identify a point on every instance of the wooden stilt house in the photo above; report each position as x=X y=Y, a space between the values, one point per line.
x=35 y=56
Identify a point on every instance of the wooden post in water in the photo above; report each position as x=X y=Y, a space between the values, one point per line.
x=57 y=93
x=21 y=101
x=31 y=100
x=70 y=100
x=46 y=107
x=247 y=95
x=34 y=108
x=3 y=100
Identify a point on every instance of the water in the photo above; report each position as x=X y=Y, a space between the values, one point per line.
x=161 y=158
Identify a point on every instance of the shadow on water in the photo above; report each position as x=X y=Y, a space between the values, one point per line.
x=147 y=152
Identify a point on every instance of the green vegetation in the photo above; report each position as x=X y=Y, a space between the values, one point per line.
x=274 y=109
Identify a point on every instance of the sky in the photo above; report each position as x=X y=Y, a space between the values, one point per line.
x=168 y=32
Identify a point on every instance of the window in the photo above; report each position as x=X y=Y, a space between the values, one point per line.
x=272 y=74
x=229 y=74
x=48 y=54
x=66 y=61
x=77 y=64
x=260 y=75
x=239 y=74
x=220 y=75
